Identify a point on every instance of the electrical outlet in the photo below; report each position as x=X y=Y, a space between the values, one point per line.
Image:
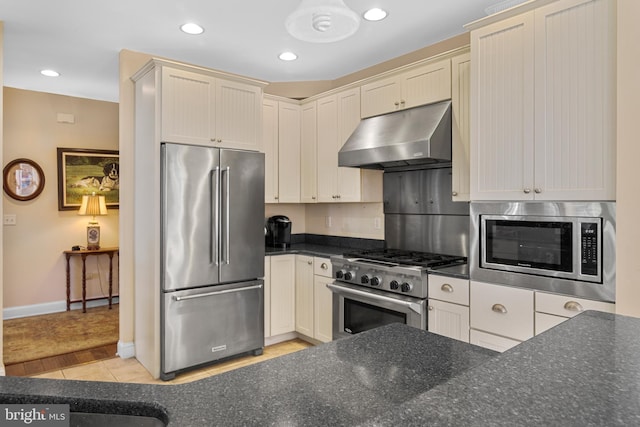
x=377 y=223
x=9 y=219
x=327 y=221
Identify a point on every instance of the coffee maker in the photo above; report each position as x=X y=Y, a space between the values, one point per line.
x=278 y=234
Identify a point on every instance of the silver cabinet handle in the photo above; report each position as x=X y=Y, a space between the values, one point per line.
x=446 y=288
x=210 y=294
x=537 y=190
x=374 y=297
x=454 y=193
x=324 y=266
x=499 y=308
x=573 y=306
x=527 y=190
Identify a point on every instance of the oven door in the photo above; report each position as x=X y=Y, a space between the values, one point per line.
x=357 y=309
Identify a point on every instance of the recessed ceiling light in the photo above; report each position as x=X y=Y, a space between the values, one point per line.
x=288 y=56
x=191 y=28
x=375 y=14
x=50 y=73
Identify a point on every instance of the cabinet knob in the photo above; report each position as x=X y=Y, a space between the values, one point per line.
x=527 y=190
x=219 y=140
x=313 y=197
x=324 y=266
x=431 y=308
x=309 y=262
x=537 y=190
x=446 y=288
x=454 y=193
x=338 y=196
x=396 y=103
x=402 y=101
x=276 y=197
x=499 y=308
x=573 y=306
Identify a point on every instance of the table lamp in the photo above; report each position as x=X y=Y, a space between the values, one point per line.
x=91 y=206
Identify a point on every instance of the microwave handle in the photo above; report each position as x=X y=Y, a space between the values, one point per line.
x=354 y=292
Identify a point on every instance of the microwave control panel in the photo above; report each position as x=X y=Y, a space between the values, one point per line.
x=589 y=243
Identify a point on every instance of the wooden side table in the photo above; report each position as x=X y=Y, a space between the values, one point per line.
x=84 y=254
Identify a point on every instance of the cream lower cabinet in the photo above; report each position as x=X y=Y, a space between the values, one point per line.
x=313 y=298
x=500 y=316
x=281 y=306
x=449 y=307
x=553 y=309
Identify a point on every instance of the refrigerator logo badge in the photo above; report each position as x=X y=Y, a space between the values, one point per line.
x=218 y=348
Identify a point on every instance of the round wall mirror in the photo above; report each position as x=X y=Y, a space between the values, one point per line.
x=23 y=179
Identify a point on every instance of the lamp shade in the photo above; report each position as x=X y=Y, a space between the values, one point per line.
x=322 y=21
x=93 y=205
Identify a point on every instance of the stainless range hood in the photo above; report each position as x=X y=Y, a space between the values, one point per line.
x=416 y=137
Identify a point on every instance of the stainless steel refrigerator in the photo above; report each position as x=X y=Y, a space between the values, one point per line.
x=212 y=255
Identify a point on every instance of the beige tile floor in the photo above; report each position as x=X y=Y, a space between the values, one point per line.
x=131 y=371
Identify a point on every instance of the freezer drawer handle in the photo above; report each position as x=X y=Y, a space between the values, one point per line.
x=209 y=294
x=340 y=290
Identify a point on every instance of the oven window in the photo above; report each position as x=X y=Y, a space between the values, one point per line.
x=535 y=244
x=359 y=317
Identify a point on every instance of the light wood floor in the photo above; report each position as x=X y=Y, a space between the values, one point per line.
x=131 y=371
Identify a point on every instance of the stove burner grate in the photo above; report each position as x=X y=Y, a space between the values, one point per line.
x=400 y=256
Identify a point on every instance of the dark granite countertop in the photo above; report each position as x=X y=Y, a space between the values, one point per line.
x=344 y=382
x=306 y=249
x=460 y=271
x=584 y=372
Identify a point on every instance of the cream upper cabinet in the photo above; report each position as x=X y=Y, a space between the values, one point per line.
x=308 y=154
x=420 y=85
x=281 y=145
x=461 y=108
x=198 y=108
x=270 y=148
x=337 y=117
x=543 y=109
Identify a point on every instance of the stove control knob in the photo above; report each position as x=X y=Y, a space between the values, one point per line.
x=394 y=285
x=375 y=281
x=406 y=287
x=348 y=275
x=340 y=274
x=365 y=279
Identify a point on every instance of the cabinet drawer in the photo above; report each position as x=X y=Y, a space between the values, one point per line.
x=322 y=267
x=544 y=322
x=490 y=341
x=449 y=289
x=502 y=310
x=567 y=306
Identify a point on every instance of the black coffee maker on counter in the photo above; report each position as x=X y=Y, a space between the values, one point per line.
x=278 y=232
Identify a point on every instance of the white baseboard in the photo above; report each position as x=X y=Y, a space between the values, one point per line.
x=126 y=350
x=280 y=338
x=49 y=307
x=3 y=373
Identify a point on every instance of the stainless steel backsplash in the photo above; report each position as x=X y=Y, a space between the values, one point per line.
x=419 y=213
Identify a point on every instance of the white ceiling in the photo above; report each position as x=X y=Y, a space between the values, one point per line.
x=81 y=39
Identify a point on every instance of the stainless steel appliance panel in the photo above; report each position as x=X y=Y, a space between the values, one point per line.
x=242 y=213
x=190 y=205
x=604 y=291
x=211 y=323
x=413 y=311
x=444 y=234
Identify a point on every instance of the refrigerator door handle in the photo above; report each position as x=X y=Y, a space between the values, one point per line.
x=214 y=250
x=225 y=252
x=209 y=294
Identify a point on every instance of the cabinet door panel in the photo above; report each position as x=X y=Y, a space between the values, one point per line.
x=502 y=110
x=490 y=341
x=382 y=96
x=270 y=148
x=238 y=115
x=426 y=84
x=348 y=179
x=304 y=295
x=461 y=108
x=283 y=277
x=575 y=100
x=289 y=153
x=327 y=153
x=323 y=309
x=450 y=320
x=188 y=107
x=308 y=154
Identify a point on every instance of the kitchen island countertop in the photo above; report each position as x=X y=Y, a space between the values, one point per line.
x=585 y=371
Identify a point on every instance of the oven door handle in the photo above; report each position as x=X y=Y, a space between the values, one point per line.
x=354 y=292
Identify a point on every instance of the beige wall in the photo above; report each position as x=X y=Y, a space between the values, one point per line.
x=2 y=371
x=34 y=270
x=628 y=202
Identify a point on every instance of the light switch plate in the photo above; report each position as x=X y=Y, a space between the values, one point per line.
x=9 y=219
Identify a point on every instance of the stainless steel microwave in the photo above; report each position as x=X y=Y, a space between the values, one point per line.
x=567 y=247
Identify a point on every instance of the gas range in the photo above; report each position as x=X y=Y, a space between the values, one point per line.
x=392 y=270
